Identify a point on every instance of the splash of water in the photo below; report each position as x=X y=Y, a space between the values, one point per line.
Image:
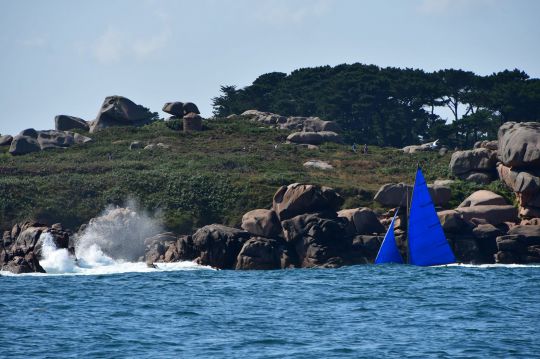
x=111 y=243
x=119 y=234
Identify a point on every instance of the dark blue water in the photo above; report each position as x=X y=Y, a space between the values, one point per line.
x=361 y=311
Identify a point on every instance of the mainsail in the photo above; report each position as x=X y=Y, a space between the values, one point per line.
x=427 y=244
x=389 y=253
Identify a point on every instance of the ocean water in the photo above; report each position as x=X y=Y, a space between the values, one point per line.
x=104 y=308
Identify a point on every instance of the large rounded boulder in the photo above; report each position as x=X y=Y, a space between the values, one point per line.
x=319 y=239
x=216 y=245
x=476 y=165
x=6 y=140
x=519 y=144
x=314 y=138
x=296 y=198
x=66 y=123
x=397 y=194
x=362 y=221
x=483 y=197
x=21 y=145
x=190 y=107
x=120 y=111
x=263 y=253
x=174 y=108
x=262 y=222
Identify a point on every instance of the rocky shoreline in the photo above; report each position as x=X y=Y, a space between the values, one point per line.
x=305 y=228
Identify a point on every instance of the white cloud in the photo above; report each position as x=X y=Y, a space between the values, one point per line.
x=114 y=46
x=110 y=47
x=148 y=46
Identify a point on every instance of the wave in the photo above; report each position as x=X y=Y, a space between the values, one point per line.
x=92 y=261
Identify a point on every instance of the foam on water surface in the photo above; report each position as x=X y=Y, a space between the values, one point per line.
x=90 y=260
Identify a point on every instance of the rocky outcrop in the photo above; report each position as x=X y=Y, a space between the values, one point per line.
x=30 y=140
x=476 y=165
x=293 y=123
x=66 y=123
x=190 y=107
x=6 y=140
x=120 y=111
x=217 y=245
x=296 y=198
x=192 y=122
x=520 y=245
x=262 y=222
x=319 y=239
x=519 y=152
x=483 y=197
x=22 y=247
x=22 y=145
x=362 y=221
x=174 y=108
x=490 y=145
x=396 y=194
x=263 y=253
x=519 y=144
x=314 y=138
x=157 y=246
x=179 y=109
x=302 y=230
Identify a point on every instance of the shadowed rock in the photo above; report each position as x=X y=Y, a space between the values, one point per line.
x=120 y=111
x=174 y=108
x=65 y=123
x=263 y=253
x=6 y=140
x=190 y=107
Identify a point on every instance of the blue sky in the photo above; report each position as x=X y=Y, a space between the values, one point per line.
x=65 y=57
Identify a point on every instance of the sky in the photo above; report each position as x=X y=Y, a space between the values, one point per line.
x=65 y=57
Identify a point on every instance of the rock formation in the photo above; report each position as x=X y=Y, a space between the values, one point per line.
x=396 y=194
x=21 y=248
x=476 y=165
x=180 y=109
x=120 y=111
x=519 y=152
x=192 y=122
x=30 y=140
x=293 y=123
x=314 y=138
x=6 y=140
x=66 y=123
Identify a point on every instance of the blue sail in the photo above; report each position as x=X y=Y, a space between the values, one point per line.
x=427 y=244
x=389 y=253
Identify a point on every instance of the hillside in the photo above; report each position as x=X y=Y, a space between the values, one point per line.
x=203 y=177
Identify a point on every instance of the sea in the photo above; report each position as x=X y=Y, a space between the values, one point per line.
x=99 y=307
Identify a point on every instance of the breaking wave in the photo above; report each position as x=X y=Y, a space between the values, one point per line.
x=111 y=243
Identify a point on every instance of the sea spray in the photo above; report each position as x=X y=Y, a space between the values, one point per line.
x=55 y=260
x=119 y=233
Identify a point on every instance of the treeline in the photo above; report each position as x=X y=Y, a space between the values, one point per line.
x=392 y=106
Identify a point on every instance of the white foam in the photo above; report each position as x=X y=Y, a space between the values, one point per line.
x=92 y=261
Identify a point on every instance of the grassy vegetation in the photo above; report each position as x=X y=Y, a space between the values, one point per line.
x=205 y=177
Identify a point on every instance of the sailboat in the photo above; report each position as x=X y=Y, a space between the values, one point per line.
x=427 y=245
